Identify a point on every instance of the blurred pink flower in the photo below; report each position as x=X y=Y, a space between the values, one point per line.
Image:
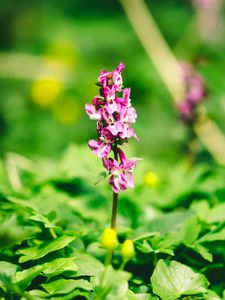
x=195 y=93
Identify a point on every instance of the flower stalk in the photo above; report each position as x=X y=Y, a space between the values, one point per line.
x=115 y=195
x=113 y=112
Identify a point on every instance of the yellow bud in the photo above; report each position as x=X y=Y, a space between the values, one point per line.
x=151 y=179
x=109 y=238
x=127 y=250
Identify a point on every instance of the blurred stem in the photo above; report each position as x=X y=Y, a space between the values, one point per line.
x=191 y=147
x=212 y=137
x=168 y=68
x=12 y=172
x=189 y=42
x=155 y=45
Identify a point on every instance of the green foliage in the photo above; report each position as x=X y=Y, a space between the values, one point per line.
x=179 y=242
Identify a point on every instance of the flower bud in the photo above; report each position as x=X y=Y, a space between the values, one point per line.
x=127 y=250
x=109 y=238
x=151 y=179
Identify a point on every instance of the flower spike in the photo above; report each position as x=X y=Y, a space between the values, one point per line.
x=113 y=112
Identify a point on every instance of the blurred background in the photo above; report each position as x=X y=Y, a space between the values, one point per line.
x=51 y=53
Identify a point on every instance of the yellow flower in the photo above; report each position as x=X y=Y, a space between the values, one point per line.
x=127 y=250
x=109 y=238
x=45 y=90
x=151 y=179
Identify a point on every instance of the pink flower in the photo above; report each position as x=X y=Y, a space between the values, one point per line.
x=196 y=90
x=121 y=174
x=195 y=93
x=116 y=128
x=120 y=67
x=92 y=112
x=117 y=179
x=127 y=167
x=105 y=135
x=98 y=101
x=113 y=114
x=100 y=148
x=187 y=111
x=111 y=107
x=127 y=133
x=104 y=77
x=109 y=93
x=128 y=115
x=117 y=80
x=194 y=83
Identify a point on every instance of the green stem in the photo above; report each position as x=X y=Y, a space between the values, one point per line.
x=115 y=195
x=114 y=206
x=52 y=232
x=123 y=264
x=114 y=210
x=108 y=257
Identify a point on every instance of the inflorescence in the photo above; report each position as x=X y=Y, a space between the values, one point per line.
x=113 y=112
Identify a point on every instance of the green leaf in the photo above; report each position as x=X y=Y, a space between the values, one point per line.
x=8 y=269
x=40 y=218
x=22 y=203
x=171 y=280
x=145 y=247
x=64 y=286
x=101 y=176
x=201 y=208
x=191 y=230
x=132 y=296
x=145 y=236
x=58 y=266
x=169 y=222
x=212 y=295
x=213 y=236
x=36 y=252
x=38 y=294
x=113 y=284
x=217 y=213
x=185 y=232
x=204 y=252
x=88 y=265
x=7 y=274
x=76 y=294
x=24 y=278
